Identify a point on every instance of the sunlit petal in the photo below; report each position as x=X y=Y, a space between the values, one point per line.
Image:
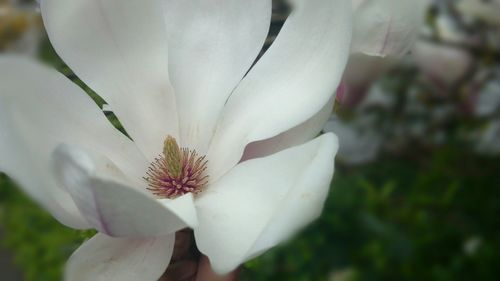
x=263 y=201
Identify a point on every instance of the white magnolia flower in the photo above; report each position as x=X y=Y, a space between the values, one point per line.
x=442 y=65
x=175 y=74
x=383 y=32
x=386 y=27
x=360 y=75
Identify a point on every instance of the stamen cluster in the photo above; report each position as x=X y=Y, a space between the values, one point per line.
x=177 y=171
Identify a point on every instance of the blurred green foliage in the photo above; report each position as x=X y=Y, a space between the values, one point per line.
x=397 y=219
x=40 y=244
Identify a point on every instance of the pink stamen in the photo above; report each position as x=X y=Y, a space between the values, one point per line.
x=191 y=177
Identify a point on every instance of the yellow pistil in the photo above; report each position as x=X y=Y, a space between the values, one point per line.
x=177 y=171
x=173 y=157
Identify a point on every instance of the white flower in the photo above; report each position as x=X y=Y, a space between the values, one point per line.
x=443 y=65
x=383 y=32
x=359 y=77
x=176 y=68
x=386 y=27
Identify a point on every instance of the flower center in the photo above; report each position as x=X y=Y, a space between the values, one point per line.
x=176 y=171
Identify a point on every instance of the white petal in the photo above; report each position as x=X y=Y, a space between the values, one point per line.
x=443 y=65
x=111 y=205
x=212 y=44
x=295 y=136
x=104 y=258
x=119 y=49
x=386 y=27
x=360 y=74
x=40 y=108
x=263 y=201
x=289 y=84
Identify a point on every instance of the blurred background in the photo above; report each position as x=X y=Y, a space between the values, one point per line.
x=416 y=191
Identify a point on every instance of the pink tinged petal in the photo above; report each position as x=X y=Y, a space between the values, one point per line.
x=212 y=44
x=443 y=65
x=361 y=72
x=264 y=201
x=341 y=93
x=289 y=84
x=40 y=108
x=295 y=136
x=387 y=27
x=119 y=49
x=112 y=206
x=104 y=258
